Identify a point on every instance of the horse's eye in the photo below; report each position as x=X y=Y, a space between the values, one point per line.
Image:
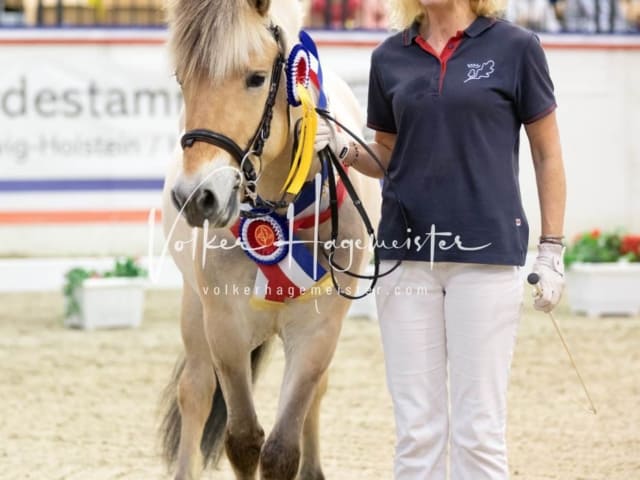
x=255 y=80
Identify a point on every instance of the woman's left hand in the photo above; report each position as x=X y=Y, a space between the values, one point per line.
x=549 y=266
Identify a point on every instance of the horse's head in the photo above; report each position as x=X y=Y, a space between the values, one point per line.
x=224 y=54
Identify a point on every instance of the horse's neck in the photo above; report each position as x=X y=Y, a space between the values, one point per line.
x=277 y=170
x=275 y=173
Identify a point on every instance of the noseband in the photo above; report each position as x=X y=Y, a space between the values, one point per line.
x=256 y=145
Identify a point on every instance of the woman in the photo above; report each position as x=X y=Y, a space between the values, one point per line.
x=447 y=97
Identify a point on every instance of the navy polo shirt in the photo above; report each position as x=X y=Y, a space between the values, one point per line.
x=457 y=116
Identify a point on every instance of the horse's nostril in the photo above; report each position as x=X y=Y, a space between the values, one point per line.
x=206 y=202
x=175 y=198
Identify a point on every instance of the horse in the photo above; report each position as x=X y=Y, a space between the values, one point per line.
x=227 y=56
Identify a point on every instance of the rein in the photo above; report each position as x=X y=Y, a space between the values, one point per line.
x=328 y=156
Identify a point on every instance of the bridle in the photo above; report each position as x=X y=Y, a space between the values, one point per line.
x=255 y=146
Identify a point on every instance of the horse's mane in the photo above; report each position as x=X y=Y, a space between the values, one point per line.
x=214 y=38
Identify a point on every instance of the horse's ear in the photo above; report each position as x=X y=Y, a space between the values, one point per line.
x=262 y=6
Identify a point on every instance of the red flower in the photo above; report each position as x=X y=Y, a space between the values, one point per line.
x=595 y=233
x=630 y=244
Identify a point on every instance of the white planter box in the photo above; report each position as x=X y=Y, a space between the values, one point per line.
x=109 y=303
x=604 y=288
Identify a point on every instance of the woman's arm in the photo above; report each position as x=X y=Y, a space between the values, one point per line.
x=547 y=161
x=359 y=159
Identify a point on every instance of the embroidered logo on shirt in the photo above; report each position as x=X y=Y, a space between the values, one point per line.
x=477 y=71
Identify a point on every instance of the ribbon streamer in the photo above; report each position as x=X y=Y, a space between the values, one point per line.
x=303 y=157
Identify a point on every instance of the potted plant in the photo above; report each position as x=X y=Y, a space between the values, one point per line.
x=114 y=298
x=603 y=273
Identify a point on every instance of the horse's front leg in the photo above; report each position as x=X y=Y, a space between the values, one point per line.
x=231 y=354
x=310 y=468
x=195 y=388
x=309 y=346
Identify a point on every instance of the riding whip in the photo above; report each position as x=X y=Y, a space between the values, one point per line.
x=533 y=279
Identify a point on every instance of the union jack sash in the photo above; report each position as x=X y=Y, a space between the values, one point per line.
x=287 y=267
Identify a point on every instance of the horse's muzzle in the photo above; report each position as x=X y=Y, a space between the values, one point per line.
x=203 y=205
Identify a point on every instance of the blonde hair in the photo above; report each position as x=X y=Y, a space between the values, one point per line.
x=404 y=12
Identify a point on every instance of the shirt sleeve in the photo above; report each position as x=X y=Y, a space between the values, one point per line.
x=379 y=109
x=534 y=91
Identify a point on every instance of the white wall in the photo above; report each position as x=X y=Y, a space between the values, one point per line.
x=597 y=83
x=598 y=94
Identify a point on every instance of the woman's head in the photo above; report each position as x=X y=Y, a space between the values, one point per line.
x=404 y=12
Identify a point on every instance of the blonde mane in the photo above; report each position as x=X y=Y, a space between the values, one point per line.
x=216 y=38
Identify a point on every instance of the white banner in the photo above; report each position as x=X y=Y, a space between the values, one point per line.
x=86 y=111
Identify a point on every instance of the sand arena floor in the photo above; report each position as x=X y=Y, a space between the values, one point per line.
x=84 y=405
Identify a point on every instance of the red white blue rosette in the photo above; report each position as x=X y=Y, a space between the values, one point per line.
x=264 y=239
x=298 y=69
x=303 y=67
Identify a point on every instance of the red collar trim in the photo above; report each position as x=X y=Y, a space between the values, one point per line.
x=450 y=47
x=476 y=28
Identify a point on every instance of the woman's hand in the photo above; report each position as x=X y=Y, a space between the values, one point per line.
x=327 y=135
x=549 y=266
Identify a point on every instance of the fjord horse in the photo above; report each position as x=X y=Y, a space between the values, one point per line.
x=225 y=56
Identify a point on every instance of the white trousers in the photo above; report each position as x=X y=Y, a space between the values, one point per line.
x=448 y=335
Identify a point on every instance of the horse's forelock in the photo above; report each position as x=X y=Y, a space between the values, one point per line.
x=214 y=38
